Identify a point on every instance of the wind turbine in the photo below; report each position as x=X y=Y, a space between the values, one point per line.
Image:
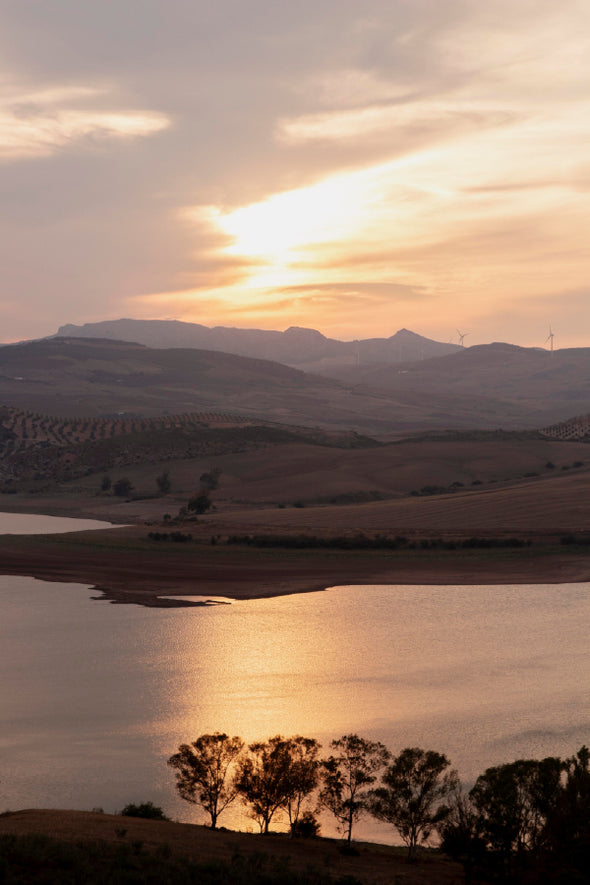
x=550 y=337
x=461 y=337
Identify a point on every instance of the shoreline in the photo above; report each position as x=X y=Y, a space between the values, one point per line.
x=123 y=566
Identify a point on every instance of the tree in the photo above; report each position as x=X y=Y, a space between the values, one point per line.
x=163 y=482
x=200 y=503
x=277 y=774
x=514 y=801
x=415 y=783
x=201 y=500
x=345 y=774
x=459 y=831
x=122 y=487
x=568 y=822
x=203 y=772
x=302 y=777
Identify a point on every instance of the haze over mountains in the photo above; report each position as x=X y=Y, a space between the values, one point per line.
x=433 y=384
x=306 y=349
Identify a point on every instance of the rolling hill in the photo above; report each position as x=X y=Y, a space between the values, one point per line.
x=488 y=386
x=80 y=377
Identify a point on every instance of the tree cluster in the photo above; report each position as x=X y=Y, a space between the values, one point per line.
x=527 y=820
x=286 y=775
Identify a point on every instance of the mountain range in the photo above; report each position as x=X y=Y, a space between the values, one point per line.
x=481 y=387
x=305 y=349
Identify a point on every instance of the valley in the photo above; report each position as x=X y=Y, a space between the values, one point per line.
x=135 y=436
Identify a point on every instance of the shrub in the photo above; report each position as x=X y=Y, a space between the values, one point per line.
x=306 y=827
x=144 y=809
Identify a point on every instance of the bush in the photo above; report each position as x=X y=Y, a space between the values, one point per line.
x=307 y=827
x=144 y=809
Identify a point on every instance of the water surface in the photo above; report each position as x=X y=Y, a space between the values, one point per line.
x=38 y=524
x=94 y=697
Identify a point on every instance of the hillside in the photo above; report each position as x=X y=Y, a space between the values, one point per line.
x=291 y=480
x=252 y=858
x=79 y=377
x=51 y=448
x=546 y=386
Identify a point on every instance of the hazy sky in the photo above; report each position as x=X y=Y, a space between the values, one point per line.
x=354 y=166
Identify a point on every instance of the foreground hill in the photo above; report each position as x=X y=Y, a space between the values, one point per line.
x=236 y=857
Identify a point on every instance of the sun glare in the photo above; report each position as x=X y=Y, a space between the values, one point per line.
x=290 y=220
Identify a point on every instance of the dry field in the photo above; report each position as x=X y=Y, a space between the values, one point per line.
x=498 y=487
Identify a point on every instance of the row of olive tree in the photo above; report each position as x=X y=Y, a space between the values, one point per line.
x=286 y=774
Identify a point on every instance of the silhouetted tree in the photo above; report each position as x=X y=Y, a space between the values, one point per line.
x=460 y=832
x=568 y=823
x=203 y=772
x=302 y=777
x=346 y=773
x=277 y=774
x=411 y=798
x=514 y=802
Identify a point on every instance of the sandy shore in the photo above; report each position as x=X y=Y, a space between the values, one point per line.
x=126 y=567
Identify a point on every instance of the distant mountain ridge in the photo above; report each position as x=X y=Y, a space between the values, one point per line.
x=305 y=349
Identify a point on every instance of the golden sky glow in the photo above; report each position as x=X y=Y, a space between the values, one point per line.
x=423 y=164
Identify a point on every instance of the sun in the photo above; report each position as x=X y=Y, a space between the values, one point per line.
x=287 y=222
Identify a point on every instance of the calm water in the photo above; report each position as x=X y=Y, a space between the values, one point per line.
x=94 y=697
x=37 y=524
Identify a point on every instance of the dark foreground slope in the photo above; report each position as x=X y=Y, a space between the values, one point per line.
x=132 y=850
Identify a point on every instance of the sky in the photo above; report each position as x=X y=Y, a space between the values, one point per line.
x=354 y=166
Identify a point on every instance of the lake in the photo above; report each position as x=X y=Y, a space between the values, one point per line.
x=94 y=697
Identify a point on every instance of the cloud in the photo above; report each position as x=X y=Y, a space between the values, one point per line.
x=39 y=123
x=435 y=150
x=431 y=120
